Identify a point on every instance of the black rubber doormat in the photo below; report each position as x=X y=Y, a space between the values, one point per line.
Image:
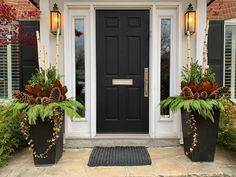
x=119 y=156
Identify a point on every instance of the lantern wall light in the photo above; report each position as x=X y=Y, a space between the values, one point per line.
x=55 y=18
x=190 y=20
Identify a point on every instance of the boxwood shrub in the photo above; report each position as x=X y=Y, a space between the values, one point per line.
x=227 y=126
x=11 y=138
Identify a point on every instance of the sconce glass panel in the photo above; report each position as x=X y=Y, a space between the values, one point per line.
x=55 y=22
x=190 y=22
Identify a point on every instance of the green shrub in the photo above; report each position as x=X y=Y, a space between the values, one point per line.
x=227 y=128
x=11 y=137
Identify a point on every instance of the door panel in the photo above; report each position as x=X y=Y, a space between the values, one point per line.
x=122 y=53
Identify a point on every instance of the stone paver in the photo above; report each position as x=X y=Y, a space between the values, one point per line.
x=166 y=162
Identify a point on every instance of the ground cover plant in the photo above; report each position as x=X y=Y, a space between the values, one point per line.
x=11 y=138
x=227 y=126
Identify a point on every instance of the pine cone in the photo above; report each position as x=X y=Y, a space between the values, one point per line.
x=38 y=100
x=55 y=95
x=31 y=100
x=62 y=98
x=187 y=93
x=21 y=96
x=220 y=92
x=196 y=95
x=213 y=96
x=204 y=95
x=16 y=93
x=46 y=100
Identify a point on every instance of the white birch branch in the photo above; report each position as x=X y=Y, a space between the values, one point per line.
x=205 y=65
x=45 y=61
x=38 y=49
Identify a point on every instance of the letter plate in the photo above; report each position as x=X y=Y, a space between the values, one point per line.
x=122 y=81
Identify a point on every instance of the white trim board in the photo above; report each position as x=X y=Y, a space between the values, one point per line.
x=170 y=128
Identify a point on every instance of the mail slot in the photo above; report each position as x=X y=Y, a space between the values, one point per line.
x=122 y=81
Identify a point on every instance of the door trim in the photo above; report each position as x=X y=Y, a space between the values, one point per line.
x=71 y=127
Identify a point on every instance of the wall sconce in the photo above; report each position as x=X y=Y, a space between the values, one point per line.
x=55 y=16
x=190 y=20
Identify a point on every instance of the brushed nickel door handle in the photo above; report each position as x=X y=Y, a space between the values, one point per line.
x=146 y=80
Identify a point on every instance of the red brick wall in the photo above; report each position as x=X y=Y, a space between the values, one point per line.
x=222 y=10
x=23 y=7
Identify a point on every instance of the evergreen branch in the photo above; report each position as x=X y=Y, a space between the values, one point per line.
x=33 y=112
x=204 y=108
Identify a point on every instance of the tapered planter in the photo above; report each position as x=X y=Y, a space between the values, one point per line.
x=206 y=135
x=40 y=134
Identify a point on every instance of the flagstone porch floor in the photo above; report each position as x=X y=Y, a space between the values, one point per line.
x=168 y=161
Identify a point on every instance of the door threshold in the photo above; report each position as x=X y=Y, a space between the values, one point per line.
x=122 y=136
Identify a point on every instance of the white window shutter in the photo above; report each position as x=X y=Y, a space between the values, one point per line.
x=230 y=61
x=3 y=73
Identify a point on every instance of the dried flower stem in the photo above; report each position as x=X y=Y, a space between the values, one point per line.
x=57 y=49
x=188 y=50
x=192 y=124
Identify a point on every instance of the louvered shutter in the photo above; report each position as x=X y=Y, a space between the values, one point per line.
x=216 y=49
x=15 y=63
x=230 y=60
x=28 y=54
x=3 y=73
x=15 y=67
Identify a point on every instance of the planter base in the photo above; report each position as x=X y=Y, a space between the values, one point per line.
x=40 y=133
x=206 y=132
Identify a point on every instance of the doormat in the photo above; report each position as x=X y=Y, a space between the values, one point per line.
x=119 y=156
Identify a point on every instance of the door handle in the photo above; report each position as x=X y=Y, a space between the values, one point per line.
x=146 y=80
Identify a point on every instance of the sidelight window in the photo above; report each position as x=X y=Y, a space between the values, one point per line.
x=165 y=60
x=80 y=62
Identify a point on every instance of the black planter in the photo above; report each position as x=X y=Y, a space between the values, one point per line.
x=40 y=133
x=207 y=133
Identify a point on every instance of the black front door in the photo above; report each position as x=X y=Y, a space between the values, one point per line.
x=122 y=66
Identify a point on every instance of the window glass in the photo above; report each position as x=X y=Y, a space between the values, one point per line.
x=165 y=60
x=80 y=62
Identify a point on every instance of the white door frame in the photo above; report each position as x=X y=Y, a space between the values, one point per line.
x=73 y=127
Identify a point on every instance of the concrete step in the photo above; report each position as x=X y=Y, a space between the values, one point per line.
x=120 y=140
